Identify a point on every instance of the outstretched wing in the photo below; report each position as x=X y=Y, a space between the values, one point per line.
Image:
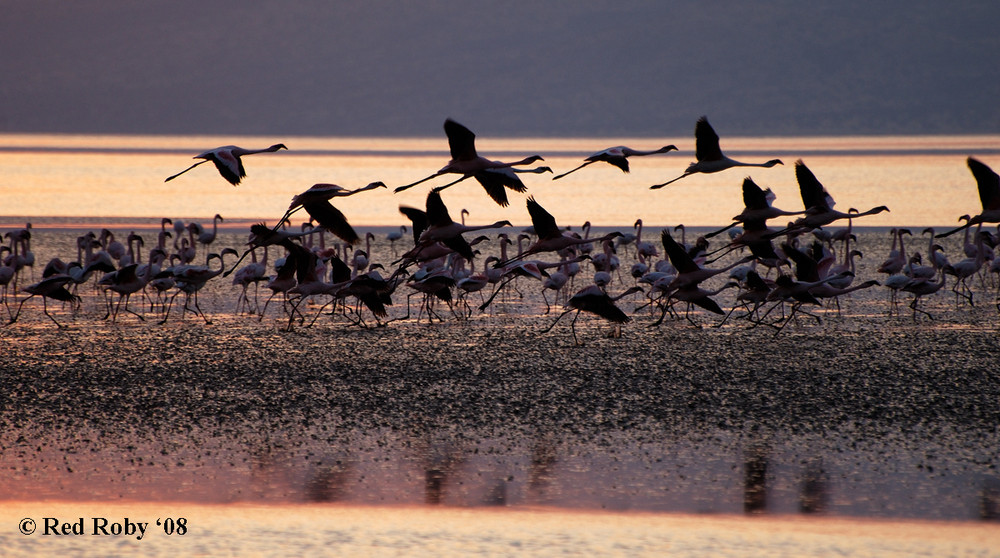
x=437 y=212
x=754 y=197
x=493 y=183
x=679 y=258
x=706 y=141
x=988 y=182
x=814 y=195
x=805 y=267
x=418 y=218
x=461 y=141
x=543 y=221
x=331 y=219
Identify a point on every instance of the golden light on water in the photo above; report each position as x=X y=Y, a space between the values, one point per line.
x=923 y=180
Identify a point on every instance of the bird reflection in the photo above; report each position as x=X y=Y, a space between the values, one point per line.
x=442 y=463
x=328 y=482
x=814 y=493
x=543 y=460
x=989 y=502
x=754 y=479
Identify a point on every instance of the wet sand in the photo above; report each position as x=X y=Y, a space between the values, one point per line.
x=892 y=417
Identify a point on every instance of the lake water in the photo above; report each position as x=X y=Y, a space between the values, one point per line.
x=923 y=180
x=918 y=492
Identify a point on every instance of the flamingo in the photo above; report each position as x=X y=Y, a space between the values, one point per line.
x=441 y=228
x=228 y=159
x=921 y=288
x=393 y=236
x=757 y=207
x=617 y=156
x=550 y=237
x=467 y=162
x=595 y=300
x=689 y=272
x=989 y=194
x=316 y=202
x=709 y=155
x=207 y=237
x=192 y=278
x=894 y=263
x=819 y=204
x=323 y=192
x=53 y=287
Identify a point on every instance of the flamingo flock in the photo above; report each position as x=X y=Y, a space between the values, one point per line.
x=776 y=274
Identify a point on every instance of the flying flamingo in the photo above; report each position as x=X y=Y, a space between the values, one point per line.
x=989 y=194
x=757 y=207
x=819 y=204
x=617 y=156
x=315 y=201
x=466 y=161
x=228 y=160
x=323 y=192
x=550 y=237
x=441 y=228
x=709 y=155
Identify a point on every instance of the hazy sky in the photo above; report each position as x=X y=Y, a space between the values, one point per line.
x=531 y=68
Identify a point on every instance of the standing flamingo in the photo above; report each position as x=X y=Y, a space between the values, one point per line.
x=709 y=155
x=228 y=159
x=617 y=156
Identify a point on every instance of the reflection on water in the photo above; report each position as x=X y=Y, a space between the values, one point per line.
x=835 y=473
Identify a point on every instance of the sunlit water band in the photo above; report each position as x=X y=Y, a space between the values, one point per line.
x=923 y=180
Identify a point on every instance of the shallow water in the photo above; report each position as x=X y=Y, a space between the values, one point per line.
x=923 y=180
x=293 y=439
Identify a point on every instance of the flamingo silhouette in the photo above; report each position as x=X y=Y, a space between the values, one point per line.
x=989 y=194
x=819 y=204
x=617 y=156
x=53 y=287
x=708 y=155
x=595 y=300
x=756 y=207
x=228 y=159
x=550 y=237
x=467 y=162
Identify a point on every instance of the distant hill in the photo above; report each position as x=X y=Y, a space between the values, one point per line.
x=503 y=68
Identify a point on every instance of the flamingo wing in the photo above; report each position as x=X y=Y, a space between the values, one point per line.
x=679 y=258
x=542 y=220
x=437 y=213
x=806 y=269
x=754 y=197
x=229 y=165
x=331 y=219
x=418 y=218
x=814 y=195
x=461 y=141
x=592 y=299
x=706 y=141
x=988 y=183
x=495 y=182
